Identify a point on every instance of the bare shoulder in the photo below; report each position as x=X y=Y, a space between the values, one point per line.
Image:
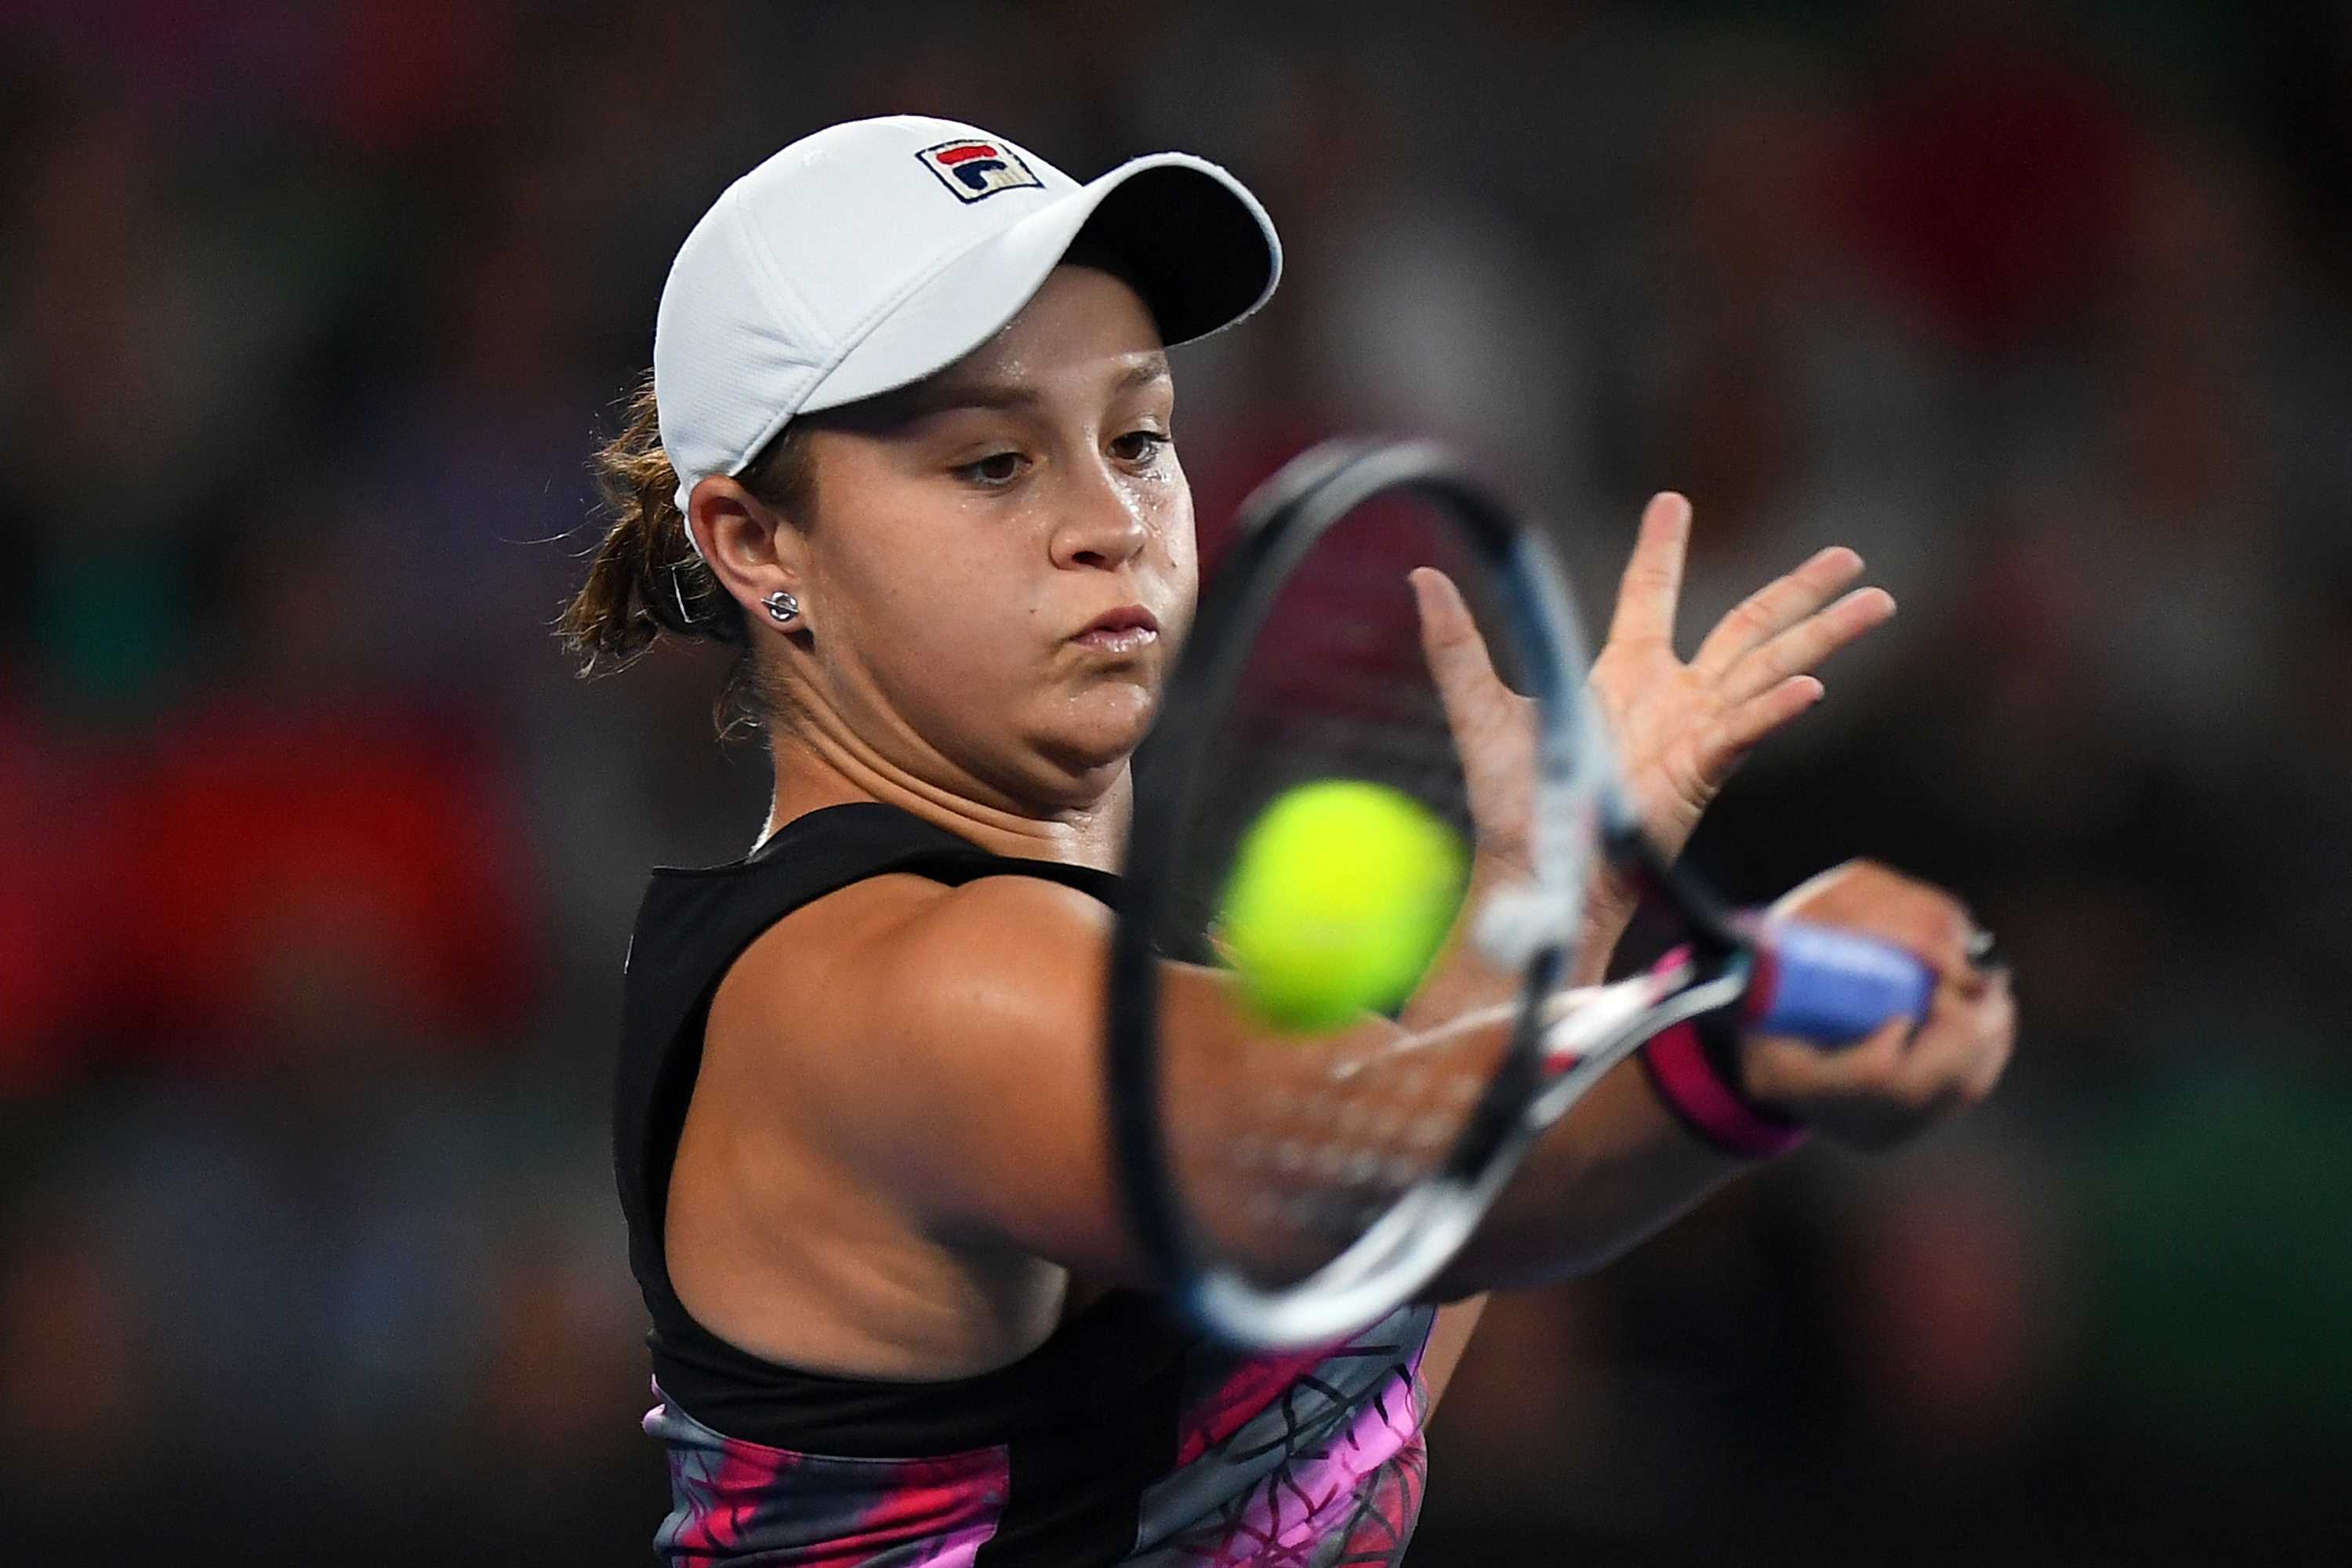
x=886 y=957
x=944 y=1043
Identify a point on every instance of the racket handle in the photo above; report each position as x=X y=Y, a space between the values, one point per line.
x=1832 y=986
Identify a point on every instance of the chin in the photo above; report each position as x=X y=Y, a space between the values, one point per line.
x=1091 y=740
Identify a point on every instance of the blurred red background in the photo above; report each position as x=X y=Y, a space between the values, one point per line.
x=316 y=864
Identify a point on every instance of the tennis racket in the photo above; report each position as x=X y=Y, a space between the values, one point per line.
x=1303 y=1185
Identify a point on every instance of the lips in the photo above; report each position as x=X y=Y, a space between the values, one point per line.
x=1123 y=630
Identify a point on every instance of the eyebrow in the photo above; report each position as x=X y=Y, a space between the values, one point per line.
x=949 y=396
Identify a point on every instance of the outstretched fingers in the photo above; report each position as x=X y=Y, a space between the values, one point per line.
x=1651 y=589
x=1804 y=646
x=1775 y=608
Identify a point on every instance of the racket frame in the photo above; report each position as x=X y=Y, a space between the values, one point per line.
x=1410 y=1244
x=1580 y=806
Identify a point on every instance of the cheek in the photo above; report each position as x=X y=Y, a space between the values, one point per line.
x=1175 y=521
x=925 y=593
x=1183 y=561
x=1184 y=557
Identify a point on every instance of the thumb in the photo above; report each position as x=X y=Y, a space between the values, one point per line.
x=1491 y=734
x=1450 y=641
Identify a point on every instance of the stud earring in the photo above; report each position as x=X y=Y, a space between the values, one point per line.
x=781 y=606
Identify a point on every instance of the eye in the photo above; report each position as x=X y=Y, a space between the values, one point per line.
x=993 y=471
x=1141 y=446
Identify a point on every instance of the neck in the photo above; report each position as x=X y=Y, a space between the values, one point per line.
x=818 y=764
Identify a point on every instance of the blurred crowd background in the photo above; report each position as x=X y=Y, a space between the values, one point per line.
x=316 y=862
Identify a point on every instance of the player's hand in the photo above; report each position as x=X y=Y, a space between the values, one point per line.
x=1681 y=729
x=1905 y=1078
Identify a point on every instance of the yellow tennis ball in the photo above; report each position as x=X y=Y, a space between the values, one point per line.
x=1340 y=895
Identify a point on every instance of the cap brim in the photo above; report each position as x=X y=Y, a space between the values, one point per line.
x=1197 y=244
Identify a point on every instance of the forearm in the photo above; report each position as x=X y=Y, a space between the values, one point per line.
x=1616 y=1168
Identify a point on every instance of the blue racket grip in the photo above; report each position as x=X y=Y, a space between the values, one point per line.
x=1832 y=986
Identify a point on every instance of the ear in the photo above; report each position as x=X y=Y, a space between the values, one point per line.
x=750 y=548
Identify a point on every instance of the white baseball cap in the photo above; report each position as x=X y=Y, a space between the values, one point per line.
x=872 y=253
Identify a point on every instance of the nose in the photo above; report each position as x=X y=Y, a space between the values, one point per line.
x=1101 y=526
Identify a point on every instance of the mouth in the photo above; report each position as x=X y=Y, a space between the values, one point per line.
x=1123 y=630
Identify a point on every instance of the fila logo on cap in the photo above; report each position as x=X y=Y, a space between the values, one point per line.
x=976 y=169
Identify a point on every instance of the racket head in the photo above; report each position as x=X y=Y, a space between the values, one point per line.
x=1306 y=1188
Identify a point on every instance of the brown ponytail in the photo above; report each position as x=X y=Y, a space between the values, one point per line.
x=646 y=581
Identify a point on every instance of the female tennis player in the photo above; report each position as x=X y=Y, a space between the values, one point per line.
x=907 y=447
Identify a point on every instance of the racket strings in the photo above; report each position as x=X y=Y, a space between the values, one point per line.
x=1326 y=1139
x=1314 y=1139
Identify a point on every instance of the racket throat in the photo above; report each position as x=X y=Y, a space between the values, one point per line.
x=1588 y=1032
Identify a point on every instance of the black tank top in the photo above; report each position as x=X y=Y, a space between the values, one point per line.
x=1123 y=1439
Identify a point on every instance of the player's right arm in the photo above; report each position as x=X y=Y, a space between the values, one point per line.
x=955 y=1063
x=1626 y=1164
x=947 y=1044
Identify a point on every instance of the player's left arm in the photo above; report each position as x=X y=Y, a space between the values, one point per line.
x=1680 y=730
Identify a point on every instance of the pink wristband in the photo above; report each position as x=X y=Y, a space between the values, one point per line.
x=1684 y=1077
